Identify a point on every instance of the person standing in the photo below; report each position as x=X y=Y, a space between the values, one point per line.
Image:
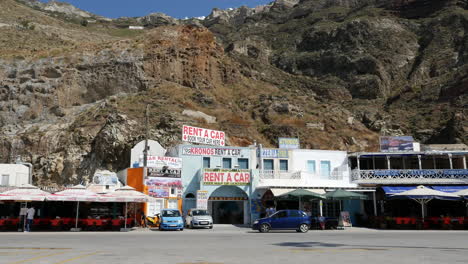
x=30 y=217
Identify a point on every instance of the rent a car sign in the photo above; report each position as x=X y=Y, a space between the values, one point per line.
x=203 y=136
x=226 y=177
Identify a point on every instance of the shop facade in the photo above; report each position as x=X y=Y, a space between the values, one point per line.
x=319 y=171
x=394 y=172
x=224 y=174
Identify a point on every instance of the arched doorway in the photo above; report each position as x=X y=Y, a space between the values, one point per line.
x=228 y=205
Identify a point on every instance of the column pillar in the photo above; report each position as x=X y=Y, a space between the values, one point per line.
x=464 y=162
x=373 y=162
x=404 y=162
x=375 y=203
x=321 y=207
x=358 y=163
x=419 y=162
x=388 y=162
x=434 y=162
x=450 y=161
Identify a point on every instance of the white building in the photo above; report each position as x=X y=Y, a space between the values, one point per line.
x=154 y=149
x=14 y=175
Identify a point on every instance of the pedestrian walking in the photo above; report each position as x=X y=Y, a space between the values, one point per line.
x=322 y=222
x=143 y=219
x=30 y=217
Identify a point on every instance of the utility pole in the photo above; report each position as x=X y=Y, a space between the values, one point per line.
x=145 y=151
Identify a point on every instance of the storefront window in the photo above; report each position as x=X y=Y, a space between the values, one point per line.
x=284 y=165
x=325 y=168
x=206 y=162
x=268 y=164
x=243 y=163
x=227 y=163
x=311 y=166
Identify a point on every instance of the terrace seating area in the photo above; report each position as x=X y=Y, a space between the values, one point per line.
x=444 y=223
x=65 y=224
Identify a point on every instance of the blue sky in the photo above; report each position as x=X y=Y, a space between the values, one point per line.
x=174 y=8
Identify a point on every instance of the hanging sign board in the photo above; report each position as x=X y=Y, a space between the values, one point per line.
x=226 y=177
x=274 y=153
x=203 y=136
x=202 y=199
x=288 y=143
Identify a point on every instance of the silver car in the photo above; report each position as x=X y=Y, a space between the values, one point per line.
x=198 y=218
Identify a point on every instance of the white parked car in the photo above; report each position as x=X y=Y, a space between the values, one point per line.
x=198 y=218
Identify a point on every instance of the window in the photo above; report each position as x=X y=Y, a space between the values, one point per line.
x=284 y=165
x=5 y=180
x=227 y=163
x=311 y=166
x=206 y=162
x=295 y=214
x=268 y=164
x=173 y=191
x=325 y=168
x=243 y=163
x=280 y=214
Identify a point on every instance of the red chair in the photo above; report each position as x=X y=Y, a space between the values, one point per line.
x=56 y=224
x=3 y=224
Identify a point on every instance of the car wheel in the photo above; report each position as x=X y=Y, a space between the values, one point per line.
x=264 y=228
x=303 y=228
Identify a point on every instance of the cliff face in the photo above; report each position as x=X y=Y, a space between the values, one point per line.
x=333 y=73
x=403 y=64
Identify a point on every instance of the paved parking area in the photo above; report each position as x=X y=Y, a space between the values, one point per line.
x=228 y=244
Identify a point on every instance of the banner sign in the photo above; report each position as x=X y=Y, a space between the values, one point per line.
x=203 y=136
x=160 y=162
x=202 y=199
x=391 y=144
x=200 y=151
x=163 y=182
x=158 y=191
x=288 y=143
x=275 y=153
x=423 y=173
x=163 y=166
x=344 y=220
x=226 y=177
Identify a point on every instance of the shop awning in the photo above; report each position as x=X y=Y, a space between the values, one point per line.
x=279 y=191
x=391 y=190
x=450 y=189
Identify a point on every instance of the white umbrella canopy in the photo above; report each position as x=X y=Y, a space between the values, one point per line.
x=77 y=193
x=25 y=192
x=423 y=195
x=125 y=194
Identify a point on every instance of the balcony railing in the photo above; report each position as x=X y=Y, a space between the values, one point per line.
x=283 y=175
x=410 y=176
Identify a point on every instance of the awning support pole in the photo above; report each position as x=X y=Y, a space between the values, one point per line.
x=125 y=225
x=388 y=162
x=358 y=163
x=451 y=161
x=77 y=212
x=420 y=162
x=464 y=162
x=321 y=207
x=375 y=203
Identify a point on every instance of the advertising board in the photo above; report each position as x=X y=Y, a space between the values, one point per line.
x=274 y=153
x=288 y=143
x=226 y=177
x=203 y=136
x=392 y=144
x=202 y=199
x=204 y=151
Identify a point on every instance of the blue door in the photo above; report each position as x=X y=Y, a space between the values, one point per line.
x=279 y=220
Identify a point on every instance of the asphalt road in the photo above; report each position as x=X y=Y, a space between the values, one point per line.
x=227 y=244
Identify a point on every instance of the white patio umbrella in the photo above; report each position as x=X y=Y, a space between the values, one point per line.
x=424 y=195
x=126 y=194
x=77 y=193
x=25 y=192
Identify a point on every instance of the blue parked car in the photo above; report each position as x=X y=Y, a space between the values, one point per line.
x=171 y=219
x=284 y=220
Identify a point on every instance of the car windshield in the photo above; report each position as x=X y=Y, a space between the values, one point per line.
x=200 y=212
x=173 y=213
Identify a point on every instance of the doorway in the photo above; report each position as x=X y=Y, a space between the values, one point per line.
x=228 y=212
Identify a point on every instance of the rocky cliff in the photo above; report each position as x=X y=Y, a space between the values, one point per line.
x=335 y=73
